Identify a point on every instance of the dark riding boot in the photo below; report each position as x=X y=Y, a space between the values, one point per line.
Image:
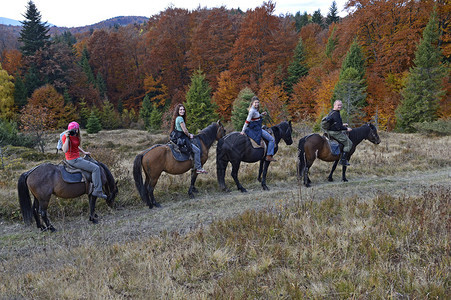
x=270 y=158
x=344 y=159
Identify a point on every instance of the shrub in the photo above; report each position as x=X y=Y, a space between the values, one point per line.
x=439 y=127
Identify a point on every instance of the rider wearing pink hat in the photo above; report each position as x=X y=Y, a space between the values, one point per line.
x=71 y=147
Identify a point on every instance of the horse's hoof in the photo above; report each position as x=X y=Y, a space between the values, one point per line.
x=94 y=220
x=243 y=190
x=307 y=184
x=191 y=196
x=330 y=179
x=345 y=180
x=265 y=188
x=195 y=190
x=259 y=179
x=156 y=204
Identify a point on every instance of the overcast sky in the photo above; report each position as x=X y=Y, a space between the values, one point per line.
x=73 y=13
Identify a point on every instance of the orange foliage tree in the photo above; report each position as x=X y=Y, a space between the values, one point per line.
x=11 y=61
x=58 y=114
x=158 y=92
x=211 y=45
x=225 y=94
x=36 y=120
x=252 y=45
x=273 y=98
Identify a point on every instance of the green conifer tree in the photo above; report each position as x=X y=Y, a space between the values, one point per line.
x=146 y=111
x=86 y=67
x=34 y=34
x=109 y=118
x=155 y=117
x=93 y=125
x=318 y=18
x=84 y=112
x=240 y=108
x=20 y=92
x=297 y=67
x=199 y=107
x=332 y=42
x=332 y=16
x=424 y=89
x=351 y=86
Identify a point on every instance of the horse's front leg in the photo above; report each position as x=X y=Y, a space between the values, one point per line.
x=343 y=175
x=265 y=172
x=221 y=166
x=330 y=178
x=192 y=188
x=92 y=207
x=260 y=171
x=235 y=169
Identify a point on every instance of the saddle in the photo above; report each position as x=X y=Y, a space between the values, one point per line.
x=335 y=146
x=262 y=144
x=180 y=154
x=70 y=174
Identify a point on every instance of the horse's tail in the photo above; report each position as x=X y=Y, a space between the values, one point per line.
x=301 y=156
x=137 y=175
x=24 y=198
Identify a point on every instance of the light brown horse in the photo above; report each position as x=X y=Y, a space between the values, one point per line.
x=159 y=158
x=45 y=180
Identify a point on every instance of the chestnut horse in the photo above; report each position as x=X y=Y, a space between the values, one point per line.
x=45 y=180
x=159 y=158
x=316 y=146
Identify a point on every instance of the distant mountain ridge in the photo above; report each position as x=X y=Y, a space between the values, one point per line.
x=116 y=21
x=7 y=21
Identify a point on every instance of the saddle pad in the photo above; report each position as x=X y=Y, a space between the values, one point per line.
x=74 y=177
x=182 y=156
x=334 y=147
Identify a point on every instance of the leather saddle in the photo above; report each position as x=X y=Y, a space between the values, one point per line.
x=74 y=175
x=180 y=155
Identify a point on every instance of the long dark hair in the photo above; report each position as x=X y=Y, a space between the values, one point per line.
x=175 y=114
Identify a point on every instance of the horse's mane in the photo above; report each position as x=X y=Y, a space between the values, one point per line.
x=208 y=134
x=359 y=133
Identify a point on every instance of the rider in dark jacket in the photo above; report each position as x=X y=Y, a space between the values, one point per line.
x=336 y=131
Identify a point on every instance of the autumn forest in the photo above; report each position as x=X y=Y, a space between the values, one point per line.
x=372 y=59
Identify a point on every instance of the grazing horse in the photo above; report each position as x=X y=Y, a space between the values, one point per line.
x=235 y=148
x=45 y=180
x=316 y=146
x=159 y=158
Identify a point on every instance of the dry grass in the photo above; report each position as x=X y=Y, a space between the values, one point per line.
x=385 y=234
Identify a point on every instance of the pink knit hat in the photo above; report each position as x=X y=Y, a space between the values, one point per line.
x=73 y=125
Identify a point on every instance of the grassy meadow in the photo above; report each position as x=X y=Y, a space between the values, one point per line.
x=384 y=234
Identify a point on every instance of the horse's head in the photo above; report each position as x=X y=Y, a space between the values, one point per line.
x=220 y=132
x=111 y=194
x=373 y=137
x=286 y=130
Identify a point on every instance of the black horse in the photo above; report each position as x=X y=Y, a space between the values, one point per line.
x=316 y=146
x=235 y=148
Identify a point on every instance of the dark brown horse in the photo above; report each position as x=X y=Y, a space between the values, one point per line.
x=45 y=180
x=316 y=146
x=159 y=158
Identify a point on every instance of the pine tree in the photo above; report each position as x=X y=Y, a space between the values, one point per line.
x=300 y=20
x=84 y=113
x=351 y=90
x=424 y=87
x=297 y=67
x=109 y=118
x=34 y=33
x=86 y=67
x=146 y=111
x=155 y=117
x=199 y=107
x=332 y=42
x=332 y=16
x=240 y=108
x=351 y=86
x=93 y=125
x=20 y=92
x=317 y=18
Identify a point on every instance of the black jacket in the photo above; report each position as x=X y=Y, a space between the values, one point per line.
x=335 y=121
